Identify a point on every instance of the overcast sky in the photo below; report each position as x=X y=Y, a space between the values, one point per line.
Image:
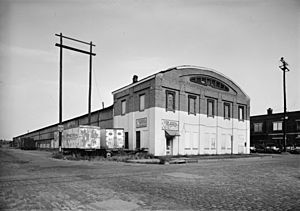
x=243 y=39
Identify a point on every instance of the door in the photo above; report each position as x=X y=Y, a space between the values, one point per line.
x=138 y=140
x=126 y=141
x=169 y=143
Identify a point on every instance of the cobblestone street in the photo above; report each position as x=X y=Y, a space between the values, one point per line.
x=32 y=180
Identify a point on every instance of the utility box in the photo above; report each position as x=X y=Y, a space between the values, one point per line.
x=82 y=137
x=112 y=138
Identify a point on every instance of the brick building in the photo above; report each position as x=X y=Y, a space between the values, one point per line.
x=184 y=110
x=267 y=130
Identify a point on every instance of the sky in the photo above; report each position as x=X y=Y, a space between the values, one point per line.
x=243 y=39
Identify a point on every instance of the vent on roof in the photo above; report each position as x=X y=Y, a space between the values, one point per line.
x=270 y=111
x=134 y=79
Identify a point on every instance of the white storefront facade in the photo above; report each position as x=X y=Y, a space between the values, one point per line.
x=184 y=110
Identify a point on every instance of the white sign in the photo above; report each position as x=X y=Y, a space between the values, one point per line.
x=141 y=122
x=60 y=128
x=170 y=124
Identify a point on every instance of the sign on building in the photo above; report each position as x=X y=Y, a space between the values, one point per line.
x=141 y=122
x=170 y=124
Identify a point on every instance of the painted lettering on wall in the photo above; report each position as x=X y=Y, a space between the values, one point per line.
x=141 y=122
x=170 y=124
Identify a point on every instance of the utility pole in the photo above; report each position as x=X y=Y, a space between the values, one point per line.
x=61 y=46
x=90 y=84
x=284 y=69
x=60 y=92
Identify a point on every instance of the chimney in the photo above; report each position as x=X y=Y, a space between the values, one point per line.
x=270 y=111
x=134 y=79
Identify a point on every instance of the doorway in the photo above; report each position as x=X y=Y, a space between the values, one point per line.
x=138 y=140
x=169 y=145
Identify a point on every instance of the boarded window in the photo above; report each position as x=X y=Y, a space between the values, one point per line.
x=142 y=102
x=192 y=104
x=223 y=142
x=226 y=110
x=123 y=105
x=170 y=101
x=206 y=141
x=213 y=141
x=210 y=108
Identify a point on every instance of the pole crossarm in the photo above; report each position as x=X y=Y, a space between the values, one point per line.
x=75 y=49
x=69 y=38
x=284 y=65
x=285 y=69
x=61 y=46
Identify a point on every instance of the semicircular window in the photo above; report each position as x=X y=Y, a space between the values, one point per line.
x=209 y=81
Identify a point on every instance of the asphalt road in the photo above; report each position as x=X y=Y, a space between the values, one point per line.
x=32 y=180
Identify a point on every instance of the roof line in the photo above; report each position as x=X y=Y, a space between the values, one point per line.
x=178 y=68
x=212 y=70
x=136 y=83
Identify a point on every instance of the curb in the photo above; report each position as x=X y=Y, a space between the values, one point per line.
x=145 y=161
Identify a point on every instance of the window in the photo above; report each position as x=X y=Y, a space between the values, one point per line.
x=241 y=114
x=209 y=81
x=277 y=126
x=142 y=102
x=210 y=108
x=192 y=105
x=123 y=107
x=258 y=127
x=226 y=110
x=298 y=125
x=170 y=101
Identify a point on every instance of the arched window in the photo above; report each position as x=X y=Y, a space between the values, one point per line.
x=210 y=81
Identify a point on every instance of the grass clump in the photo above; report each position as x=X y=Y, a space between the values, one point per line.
x=164 y=159
x=118 y=157
x=57 y=155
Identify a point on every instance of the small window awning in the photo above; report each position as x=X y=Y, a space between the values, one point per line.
x=171 y=133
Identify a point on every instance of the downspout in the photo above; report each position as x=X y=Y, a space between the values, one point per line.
x=231 y=140
x=179 y=114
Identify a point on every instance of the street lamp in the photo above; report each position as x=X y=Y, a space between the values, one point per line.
x=284 y=69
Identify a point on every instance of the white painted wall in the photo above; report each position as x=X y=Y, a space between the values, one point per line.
x=199 y=134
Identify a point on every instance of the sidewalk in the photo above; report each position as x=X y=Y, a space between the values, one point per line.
x=195 y=158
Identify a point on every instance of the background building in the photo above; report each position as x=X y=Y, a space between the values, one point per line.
x=268 y=129
x=184 y=110
x=44 y=137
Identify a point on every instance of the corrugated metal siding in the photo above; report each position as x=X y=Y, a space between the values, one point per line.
x=102 y=118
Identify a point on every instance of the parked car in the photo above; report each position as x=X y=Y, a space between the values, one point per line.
x=252 y=149
x=294 y=150
x=265 y=149
x=272 y=149
x=260 y=149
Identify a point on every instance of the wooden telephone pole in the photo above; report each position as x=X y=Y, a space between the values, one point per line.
x=284 y=69
x=61 y=46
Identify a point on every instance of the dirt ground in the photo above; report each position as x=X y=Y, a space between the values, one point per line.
x=32 y=180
